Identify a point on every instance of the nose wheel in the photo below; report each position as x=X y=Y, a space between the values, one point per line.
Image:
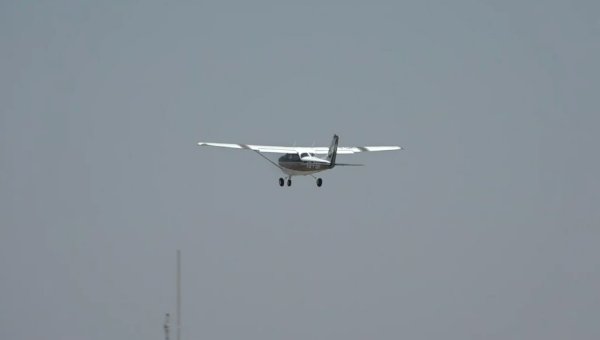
x=319 y=182
x=281 y=182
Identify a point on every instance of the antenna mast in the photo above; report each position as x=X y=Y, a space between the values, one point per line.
x=166 y=326
x=178 y=294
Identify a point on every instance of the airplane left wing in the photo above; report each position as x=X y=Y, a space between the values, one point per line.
x=259 y=148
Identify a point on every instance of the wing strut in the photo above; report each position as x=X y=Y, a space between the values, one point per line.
x=268 y=160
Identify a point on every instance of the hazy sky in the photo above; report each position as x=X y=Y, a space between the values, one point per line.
x=485 y=227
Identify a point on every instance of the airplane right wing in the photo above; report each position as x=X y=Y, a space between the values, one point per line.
x=345 y=150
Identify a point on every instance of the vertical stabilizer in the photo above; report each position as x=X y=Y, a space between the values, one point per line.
x=333 y=151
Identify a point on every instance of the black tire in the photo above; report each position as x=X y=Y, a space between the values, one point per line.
x=281 y=182
x=289 y=182
x=319 y=182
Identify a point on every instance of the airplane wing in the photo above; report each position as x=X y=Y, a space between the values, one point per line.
x=344 y=150
x=259 y=148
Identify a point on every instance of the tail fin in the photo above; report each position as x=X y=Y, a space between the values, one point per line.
x=333 y=151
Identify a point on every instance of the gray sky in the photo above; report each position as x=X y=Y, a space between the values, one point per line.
x=485 y=227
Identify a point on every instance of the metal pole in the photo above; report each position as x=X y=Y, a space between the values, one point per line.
x=178 y=294
x=166 y=326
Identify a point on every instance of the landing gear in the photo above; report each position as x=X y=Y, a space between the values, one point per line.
x=282 y=182
x=319 y=182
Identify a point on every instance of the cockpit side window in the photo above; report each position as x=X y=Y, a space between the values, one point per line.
x=304 y=154
x=290 y=157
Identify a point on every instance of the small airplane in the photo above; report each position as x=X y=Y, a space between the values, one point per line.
x=301 y=161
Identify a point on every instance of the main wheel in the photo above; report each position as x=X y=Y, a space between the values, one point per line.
x=319 y=182
x=289 y=182
x=281 y=182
